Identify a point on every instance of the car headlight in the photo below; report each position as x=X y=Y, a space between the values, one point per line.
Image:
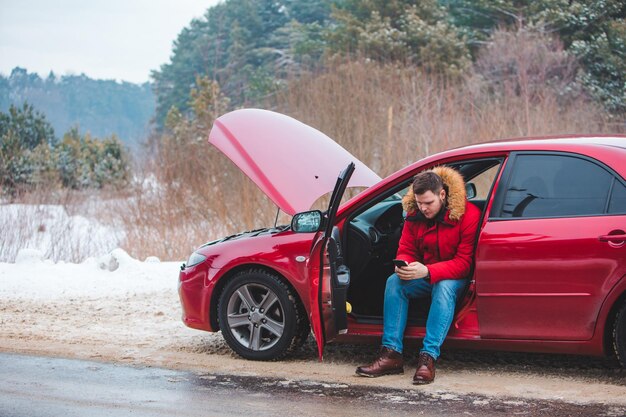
x=195 y=259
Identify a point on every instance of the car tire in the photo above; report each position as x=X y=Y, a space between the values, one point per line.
x=260 y=316
x=619 y=335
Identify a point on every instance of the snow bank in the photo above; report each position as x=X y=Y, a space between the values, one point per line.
x=33 y=277
x=51 y=230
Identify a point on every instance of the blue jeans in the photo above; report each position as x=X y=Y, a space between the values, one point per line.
x=444 y=296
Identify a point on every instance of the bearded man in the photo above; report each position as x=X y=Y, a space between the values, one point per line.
x=437 y=244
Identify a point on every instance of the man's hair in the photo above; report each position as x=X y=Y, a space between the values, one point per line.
x=427 y=181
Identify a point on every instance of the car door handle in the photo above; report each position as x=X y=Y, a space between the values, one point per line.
x=621 y=238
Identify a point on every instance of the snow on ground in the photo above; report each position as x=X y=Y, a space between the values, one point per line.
x=111 y=307
x=53 y=231
x=116 y=274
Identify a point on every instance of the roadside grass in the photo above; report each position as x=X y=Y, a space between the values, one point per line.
x=389 y=116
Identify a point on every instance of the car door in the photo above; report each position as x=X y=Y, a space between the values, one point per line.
x=330 y=277
x=550 y=249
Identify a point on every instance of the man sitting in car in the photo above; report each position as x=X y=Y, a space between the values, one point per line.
x=437 y=244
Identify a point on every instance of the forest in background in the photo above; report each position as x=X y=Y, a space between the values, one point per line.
x=251 y=48
x=100 y=107
x=390 y=81
x=33 y=158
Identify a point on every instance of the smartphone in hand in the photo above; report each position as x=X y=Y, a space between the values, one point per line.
x=400 y=263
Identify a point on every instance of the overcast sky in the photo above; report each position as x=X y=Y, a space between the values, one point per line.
x=105 y=39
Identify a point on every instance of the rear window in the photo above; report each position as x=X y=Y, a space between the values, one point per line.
x=556 y=186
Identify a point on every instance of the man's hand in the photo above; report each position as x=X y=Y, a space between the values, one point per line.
x=415 y=270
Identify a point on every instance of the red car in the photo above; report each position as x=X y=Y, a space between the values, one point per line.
x=549 y=270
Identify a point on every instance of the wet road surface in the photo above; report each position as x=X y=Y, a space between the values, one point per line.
x=43 y=386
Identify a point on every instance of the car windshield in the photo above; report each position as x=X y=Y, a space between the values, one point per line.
x=393 y=198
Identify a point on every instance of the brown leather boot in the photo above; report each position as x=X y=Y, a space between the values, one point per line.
x=388 y=362
x=425 y=372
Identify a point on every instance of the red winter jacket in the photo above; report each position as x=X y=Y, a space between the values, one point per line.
x=446 y=244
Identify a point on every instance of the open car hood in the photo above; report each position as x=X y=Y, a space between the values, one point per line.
x=293 y=163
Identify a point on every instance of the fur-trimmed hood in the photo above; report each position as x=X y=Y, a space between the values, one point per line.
x=455 y=190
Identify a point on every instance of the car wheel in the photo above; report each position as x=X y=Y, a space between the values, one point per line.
x=260 y=317
x=619 y=335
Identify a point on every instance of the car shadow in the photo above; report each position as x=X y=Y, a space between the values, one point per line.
x=580 y=367
x=540 y=364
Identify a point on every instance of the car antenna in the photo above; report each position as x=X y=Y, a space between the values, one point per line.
x=277 y=213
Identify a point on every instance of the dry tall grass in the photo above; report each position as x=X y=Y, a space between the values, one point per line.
x=389 y=116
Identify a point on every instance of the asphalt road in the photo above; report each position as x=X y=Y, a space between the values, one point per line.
x=51 y=387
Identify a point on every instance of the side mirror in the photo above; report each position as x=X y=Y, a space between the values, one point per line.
x=470 y=190
x=307 y=221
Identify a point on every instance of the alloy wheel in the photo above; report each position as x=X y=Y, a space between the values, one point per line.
x=255 y=316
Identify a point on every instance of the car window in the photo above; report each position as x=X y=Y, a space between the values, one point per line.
x=556 y=186
x=484 y=181
x=617 y=205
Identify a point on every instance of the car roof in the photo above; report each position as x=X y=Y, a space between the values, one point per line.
x=546 y=142
x=610 y=149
